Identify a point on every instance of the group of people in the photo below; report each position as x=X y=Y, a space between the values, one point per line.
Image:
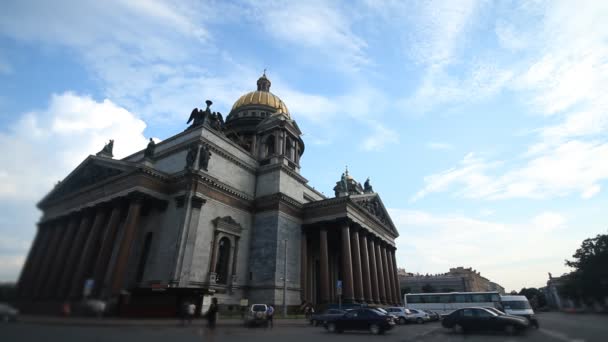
x=189 y=311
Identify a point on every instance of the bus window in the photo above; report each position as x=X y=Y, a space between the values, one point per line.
x=461 y=298
x=495 y=298
x=444 y=298
x=481 y=298
x=413 y=299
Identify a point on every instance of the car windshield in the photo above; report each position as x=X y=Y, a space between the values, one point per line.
x=259 y=308
x=516 y=305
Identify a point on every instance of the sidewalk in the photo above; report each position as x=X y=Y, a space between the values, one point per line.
x=150 y=322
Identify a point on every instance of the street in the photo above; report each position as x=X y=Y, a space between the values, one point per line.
x=554 y=327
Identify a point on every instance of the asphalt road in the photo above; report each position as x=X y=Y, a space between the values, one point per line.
x=554 y=327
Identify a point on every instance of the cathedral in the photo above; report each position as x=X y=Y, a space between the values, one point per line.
x=219 y=210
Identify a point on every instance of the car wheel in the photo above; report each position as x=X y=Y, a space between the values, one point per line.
x=457 y=329
x=375 y=329
x=419 y=320
x=402 y=320
x=331 y=327
x=509 y=329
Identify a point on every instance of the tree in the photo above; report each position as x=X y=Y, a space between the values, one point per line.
x=405 y=290
x=535 y=297
x=590 y=276
x=428 y=288
x=447 y=289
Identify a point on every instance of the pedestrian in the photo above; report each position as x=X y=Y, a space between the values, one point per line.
x=184 y=312
x=270 y=314
x=191 y=309
x=211 y=313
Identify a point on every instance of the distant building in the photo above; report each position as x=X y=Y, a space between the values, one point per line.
x=458 y=279
x=552 y=293
x=496 y=287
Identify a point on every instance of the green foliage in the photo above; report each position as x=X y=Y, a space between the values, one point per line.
x=447 y=289
x=590 y=276
x=535 y=297
x=405 y=290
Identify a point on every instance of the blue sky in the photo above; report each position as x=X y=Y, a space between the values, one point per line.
x=481 y=124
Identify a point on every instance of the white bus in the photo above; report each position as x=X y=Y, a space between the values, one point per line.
x=445 y=303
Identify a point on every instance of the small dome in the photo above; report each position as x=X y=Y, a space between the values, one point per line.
x=261 y=97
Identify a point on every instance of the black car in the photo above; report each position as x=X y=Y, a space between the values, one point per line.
x=531 y=318
x=480 y=319
x=361 y=319
x=320 y=318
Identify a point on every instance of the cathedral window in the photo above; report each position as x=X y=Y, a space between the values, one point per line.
x=144 y=257
x=270 y=148
x=223 y=260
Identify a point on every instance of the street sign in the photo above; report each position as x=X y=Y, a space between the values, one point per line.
x=339 y=291
x=339 y=284
x=88 y=287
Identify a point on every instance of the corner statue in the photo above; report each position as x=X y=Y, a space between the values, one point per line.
x=367 y=187
x=149 y=151
x=106 y=151
x=198 y=116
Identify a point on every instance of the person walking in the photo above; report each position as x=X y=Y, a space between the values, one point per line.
x=211 y=314
x=191 y=308
x=269 y=315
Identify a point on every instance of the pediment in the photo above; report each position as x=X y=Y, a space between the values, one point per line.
x=228 y=225
x=91 y=171
x=373 y=205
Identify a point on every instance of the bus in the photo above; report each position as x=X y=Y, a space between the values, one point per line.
x=445 y=303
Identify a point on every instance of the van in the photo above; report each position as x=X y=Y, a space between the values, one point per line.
x=519 y=306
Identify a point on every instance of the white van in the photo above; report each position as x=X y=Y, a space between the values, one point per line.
x=519 y=306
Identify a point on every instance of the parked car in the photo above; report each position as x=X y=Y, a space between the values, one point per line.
x=320 y=318
x=257 y=315
x=8 y=313
x=361 y=319
x=480 y=319
x=400 y=313
x=433 y=316
x=417 y=316
x=383 y=311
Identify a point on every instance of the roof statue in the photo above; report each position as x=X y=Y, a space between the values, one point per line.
x=106 y=151
x=149 y=151
x=198 y=116
x=367 y=187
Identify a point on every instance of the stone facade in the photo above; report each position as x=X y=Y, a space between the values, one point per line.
x=220 y=209
x=458 y=279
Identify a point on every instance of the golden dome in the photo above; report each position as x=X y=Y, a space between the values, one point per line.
x=261 y=98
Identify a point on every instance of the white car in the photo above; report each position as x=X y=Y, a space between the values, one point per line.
x=400 y=313
x=8 y=313
x=417 y=316
x=257 y=315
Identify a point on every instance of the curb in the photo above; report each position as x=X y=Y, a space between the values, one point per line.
x=127 y=323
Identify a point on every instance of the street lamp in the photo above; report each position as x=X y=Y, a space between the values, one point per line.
x=285 y=282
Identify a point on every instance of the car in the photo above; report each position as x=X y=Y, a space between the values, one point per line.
x=400 y=313
x=433 y=316
x=383 y=311
x=320 y=318
x=8 y=313
x=417 y=316
x=518 y=305
x=257 y=315
x=531 y=318
x=481 y=319
x=360 y=319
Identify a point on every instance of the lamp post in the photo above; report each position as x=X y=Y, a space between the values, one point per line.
x=285 y=282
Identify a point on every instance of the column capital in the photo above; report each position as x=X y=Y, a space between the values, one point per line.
x=197 y=202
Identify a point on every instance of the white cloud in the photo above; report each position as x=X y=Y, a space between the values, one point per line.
x=379 y=137
x=430 y=243
x=557 y=170
x=315 y=25
x=41 y=148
